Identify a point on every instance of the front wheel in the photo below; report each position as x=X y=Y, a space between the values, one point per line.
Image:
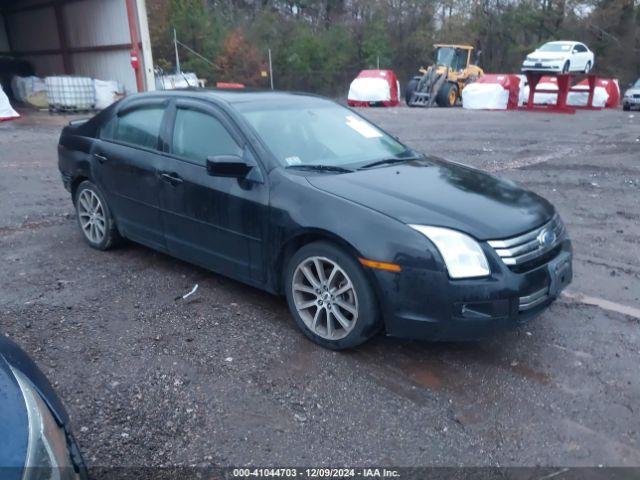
x=410 y=90
x=447 y=95
x=330 y=297
x=566 y=67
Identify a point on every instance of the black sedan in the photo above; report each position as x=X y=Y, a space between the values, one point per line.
x=35 y=440
x=300 y=196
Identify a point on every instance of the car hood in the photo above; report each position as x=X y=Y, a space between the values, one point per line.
x=439 y=193
x=14 y=424
x=632 y=91
x=547 y=55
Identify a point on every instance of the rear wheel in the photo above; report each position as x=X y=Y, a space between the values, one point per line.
x=330 y=296
x=587 y=67
x=447 y=95
x=94 y=217
x=410 y=90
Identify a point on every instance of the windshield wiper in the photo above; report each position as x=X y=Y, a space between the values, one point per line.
x=388 y=161
x=322 y=168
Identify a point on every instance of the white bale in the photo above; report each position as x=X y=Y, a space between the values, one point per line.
x=485 y=96
x=541 y=98
x=171 y=82
x=580 y=99
x=6 y=110
x=25 y=87
x=523 y=93
x=106 y=91
x=369 y=89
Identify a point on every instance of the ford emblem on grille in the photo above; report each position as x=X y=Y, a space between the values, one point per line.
x=546 y=238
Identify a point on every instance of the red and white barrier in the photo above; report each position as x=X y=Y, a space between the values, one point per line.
x=492 y=92
x=374 y=87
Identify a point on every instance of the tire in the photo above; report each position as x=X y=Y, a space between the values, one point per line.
x=587 y=67
x=316 y=308
x=445 y=94
x=92 y=207
x=566 y=67
x=626 y=108
x=411 y=88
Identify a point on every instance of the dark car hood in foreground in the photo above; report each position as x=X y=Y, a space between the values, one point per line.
x=14 y=424
x=439 y=193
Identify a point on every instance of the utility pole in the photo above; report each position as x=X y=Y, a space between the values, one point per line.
x=175 y=46
x=270 y=70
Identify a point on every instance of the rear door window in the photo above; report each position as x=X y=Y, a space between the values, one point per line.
x=198 y=135
x=139 y=127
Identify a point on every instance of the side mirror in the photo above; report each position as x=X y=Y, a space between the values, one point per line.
x=228 y=166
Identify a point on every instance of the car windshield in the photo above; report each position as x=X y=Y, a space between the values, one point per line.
x=319 y=132
x=555 y=47
x=637 y=84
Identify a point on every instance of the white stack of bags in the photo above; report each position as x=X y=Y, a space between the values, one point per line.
x=66 y=92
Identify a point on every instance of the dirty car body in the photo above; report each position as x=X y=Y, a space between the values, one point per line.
x=35 y=436
x=415 y=223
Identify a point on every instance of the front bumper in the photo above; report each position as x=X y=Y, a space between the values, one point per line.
x=631 y=101
x=428 y=305
x=542 y=66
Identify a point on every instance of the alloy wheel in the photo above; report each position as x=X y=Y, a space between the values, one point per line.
x=325 y=298
x=91 y=216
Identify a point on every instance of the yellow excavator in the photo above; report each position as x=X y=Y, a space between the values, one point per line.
x=442 y=82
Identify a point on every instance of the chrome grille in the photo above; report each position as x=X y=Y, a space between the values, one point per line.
x=531 y=245
x=533 y=300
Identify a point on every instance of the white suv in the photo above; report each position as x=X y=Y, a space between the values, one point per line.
x=560 y=57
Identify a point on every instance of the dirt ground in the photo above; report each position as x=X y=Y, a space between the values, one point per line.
x=226 y=379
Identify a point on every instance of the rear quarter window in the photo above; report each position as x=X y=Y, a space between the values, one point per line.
x=139 y=127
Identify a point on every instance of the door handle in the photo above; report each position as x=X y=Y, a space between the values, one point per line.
x=100 y=158
x=173 y=179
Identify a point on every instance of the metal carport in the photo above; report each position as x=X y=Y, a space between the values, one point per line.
x=94 y=38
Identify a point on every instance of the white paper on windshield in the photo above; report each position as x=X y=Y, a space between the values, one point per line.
x=293 y=160
x=362 y=127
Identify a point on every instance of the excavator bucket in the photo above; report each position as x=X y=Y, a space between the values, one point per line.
x=428 y=88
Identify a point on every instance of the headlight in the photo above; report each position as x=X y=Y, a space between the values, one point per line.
x=47 y=454
x=462 y=255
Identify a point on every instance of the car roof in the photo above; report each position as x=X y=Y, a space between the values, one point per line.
x=238 y=96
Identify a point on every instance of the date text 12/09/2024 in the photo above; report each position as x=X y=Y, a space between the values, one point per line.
x=315 y=473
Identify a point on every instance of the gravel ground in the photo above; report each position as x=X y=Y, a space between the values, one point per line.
x=225 y=378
